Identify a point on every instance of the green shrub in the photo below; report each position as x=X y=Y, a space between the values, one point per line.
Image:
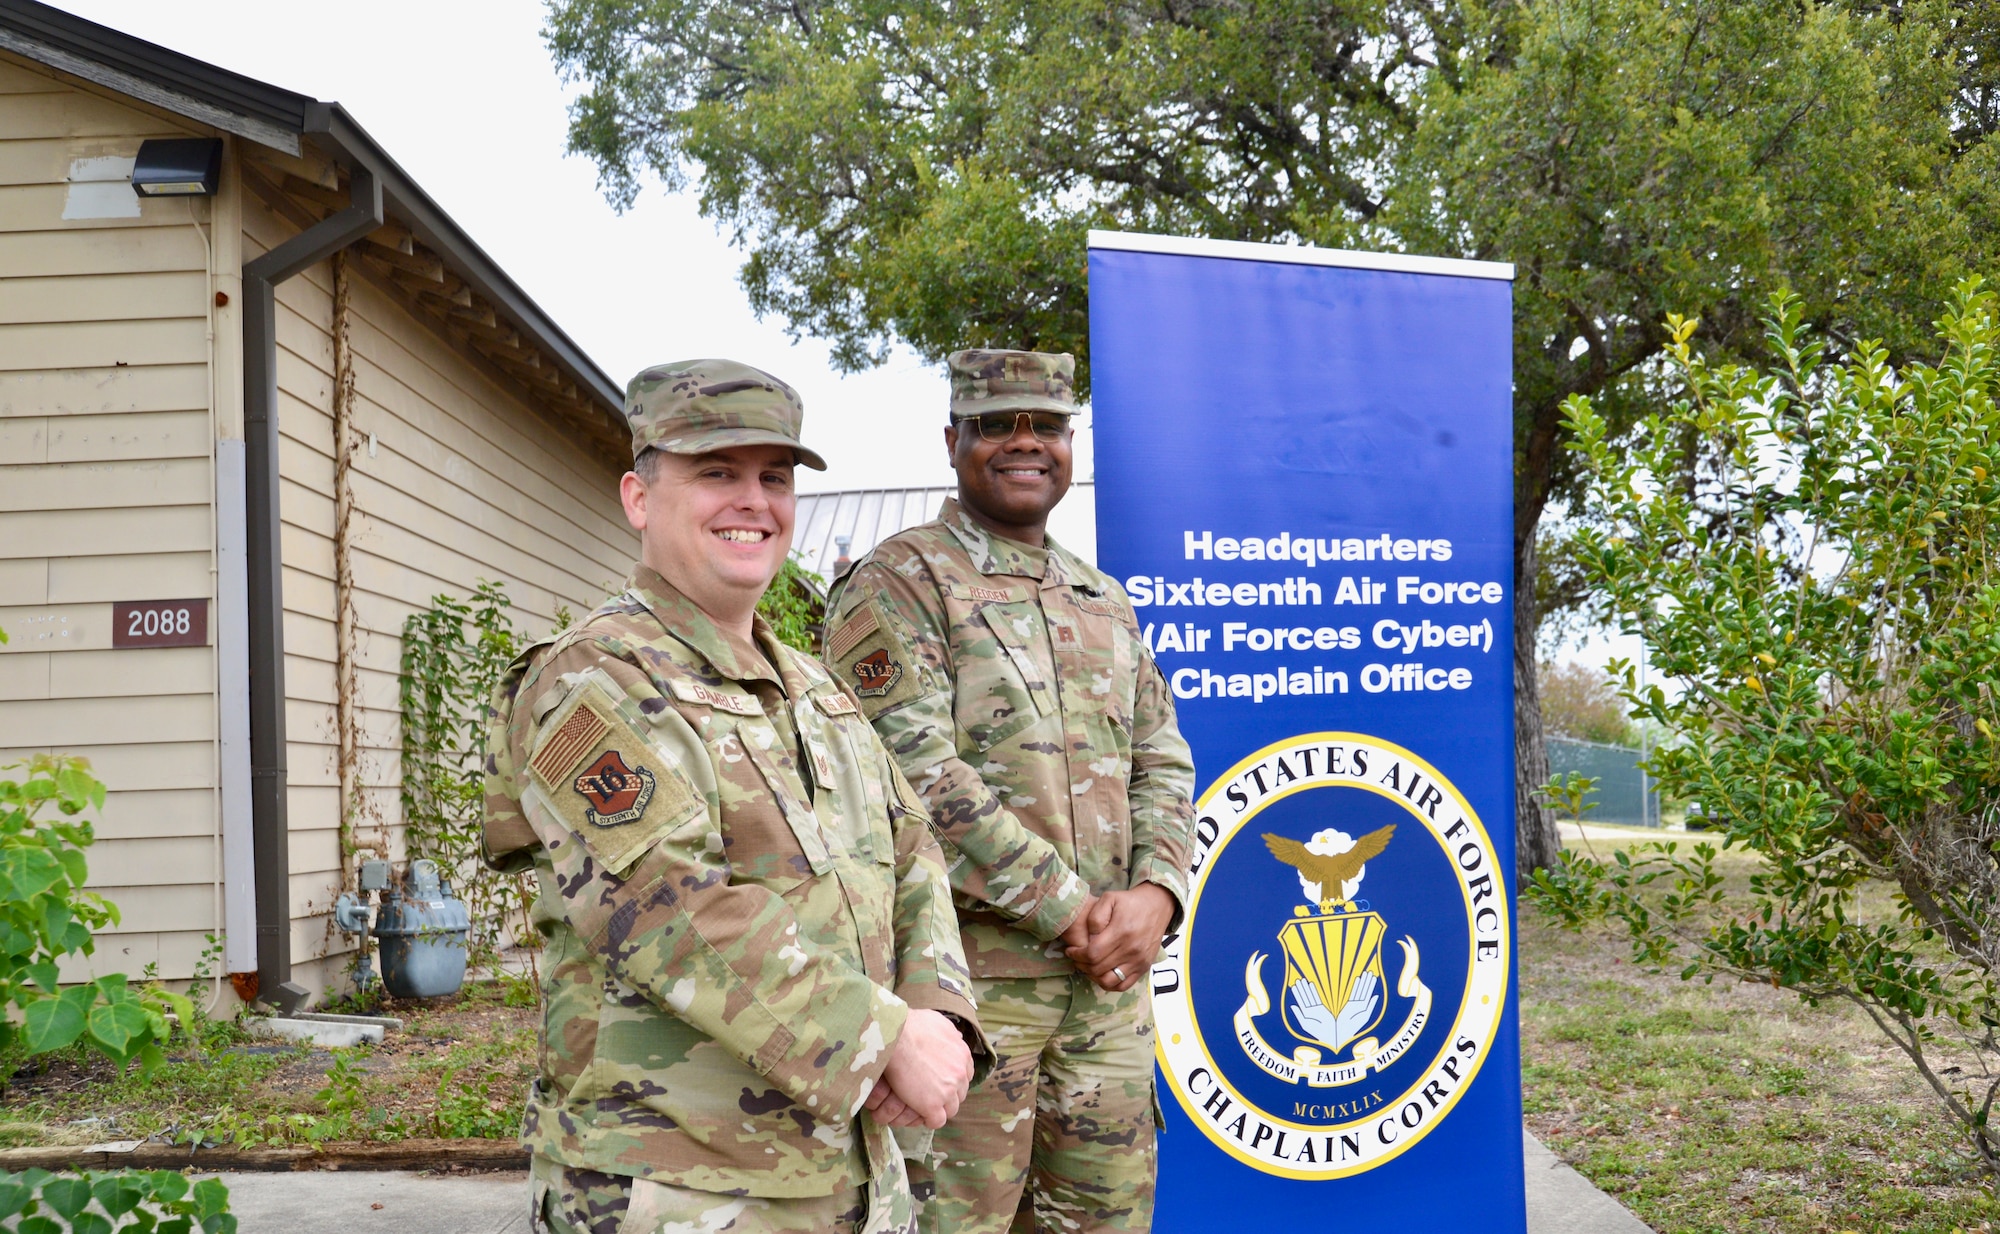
x=794 y=606
x=145 y=1202
x=453 y=653
x=1808 y=551
x=46 y=915
x=468 y=1109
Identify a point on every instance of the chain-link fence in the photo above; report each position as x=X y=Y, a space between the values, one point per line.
x=1624 y=794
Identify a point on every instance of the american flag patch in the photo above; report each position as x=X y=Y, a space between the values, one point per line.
x=566 y=747
x=858 y=627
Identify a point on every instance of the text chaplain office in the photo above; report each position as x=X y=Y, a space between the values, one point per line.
x=1198 y=681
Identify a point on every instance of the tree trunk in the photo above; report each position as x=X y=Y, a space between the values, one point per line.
x=1536 y=841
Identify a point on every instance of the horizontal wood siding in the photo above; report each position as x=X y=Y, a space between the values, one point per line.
x=466 y=483
x=105 y=494
x=106 y=483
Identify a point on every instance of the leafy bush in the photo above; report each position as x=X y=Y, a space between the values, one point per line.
x=1810 y=553
x=468 y=1107
x=144 y=1202
x=342 y=1097
x=1571 y=795
x=517 y=990
x=46 y=915
x=795 y=607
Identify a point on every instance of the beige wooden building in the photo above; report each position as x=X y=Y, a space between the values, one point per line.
x=400 y=421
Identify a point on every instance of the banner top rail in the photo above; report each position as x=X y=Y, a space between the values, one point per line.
x=1242 y=250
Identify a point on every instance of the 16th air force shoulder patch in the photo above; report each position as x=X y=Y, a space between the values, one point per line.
x=880 y=671
x=1334 y=1017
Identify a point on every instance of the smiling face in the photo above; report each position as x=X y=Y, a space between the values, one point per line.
x=717 y=526
x=1010 y=486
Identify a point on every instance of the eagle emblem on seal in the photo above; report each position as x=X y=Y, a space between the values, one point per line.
x=1334 y=985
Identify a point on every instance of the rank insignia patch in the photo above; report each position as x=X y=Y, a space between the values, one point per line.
x=617 y=794
x=875 y=674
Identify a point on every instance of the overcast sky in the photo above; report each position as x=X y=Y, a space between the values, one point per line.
x=465 y=97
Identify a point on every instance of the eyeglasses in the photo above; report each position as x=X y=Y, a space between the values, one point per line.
x=1002 y=425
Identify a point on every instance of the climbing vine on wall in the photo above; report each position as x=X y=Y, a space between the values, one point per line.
x=453 y=653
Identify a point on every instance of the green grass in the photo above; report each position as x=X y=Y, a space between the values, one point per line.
x=460 y=1069
x=1704 y=1109
x=1730 y=1108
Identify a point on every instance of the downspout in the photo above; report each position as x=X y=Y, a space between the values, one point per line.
x=267 y=603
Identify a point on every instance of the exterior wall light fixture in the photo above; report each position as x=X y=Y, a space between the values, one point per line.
x=178 y=167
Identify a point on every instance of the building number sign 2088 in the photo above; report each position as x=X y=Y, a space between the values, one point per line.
x=159 y=623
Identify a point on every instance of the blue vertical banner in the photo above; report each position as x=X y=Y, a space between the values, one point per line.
x=1305 y=484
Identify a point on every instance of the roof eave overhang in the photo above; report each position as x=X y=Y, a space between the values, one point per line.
x=407 y=202
x=244 y=106
x=284 y=120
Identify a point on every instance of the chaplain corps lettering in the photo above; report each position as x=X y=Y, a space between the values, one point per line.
x=1338 y=1068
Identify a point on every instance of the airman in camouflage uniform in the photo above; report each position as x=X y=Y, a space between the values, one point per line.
x=746 y=911
x=1011 y=683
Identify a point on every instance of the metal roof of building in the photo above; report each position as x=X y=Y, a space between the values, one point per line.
x=869 y=516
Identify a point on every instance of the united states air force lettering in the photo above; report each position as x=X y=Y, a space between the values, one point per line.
x=1343 y=968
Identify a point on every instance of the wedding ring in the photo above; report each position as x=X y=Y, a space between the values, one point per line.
x=1118 y=973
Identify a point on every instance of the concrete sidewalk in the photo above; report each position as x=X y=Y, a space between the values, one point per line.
x=1559 y=1202
x=1562 y=1201
x=378 y=1202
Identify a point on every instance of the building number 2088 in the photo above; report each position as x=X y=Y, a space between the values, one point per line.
x=152 y=622
x=159 y=623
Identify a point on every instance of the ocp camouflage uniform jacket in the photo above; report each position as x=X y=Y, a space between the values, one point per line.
x=741 y=896
x=1013 y=687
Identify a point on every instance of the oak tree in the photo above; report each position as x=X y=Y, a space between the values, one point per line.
x=925 y=173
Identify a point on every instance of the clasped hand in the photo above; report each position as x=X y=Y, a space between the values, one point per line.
x=1116 y=937
x=929 y=1070
x=1114 y=940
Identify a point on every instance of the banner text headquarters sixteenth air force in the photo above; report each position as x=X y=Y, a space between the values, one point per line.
x=1439 y=634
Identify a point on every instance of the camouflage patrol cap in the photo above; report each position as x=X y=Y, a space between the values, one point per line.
x=983 y=381
x=695 y=406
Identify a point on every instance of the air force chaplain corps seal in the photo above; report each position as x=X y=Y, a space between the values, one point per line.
x=1327 y=848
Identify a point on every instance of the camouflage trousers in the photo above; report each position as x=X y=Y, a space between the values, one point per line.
x=1065 y=1116
x=568 y=1200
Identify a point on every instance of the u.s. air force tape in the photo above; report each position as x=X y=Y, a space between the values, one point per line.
x=607 y=782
